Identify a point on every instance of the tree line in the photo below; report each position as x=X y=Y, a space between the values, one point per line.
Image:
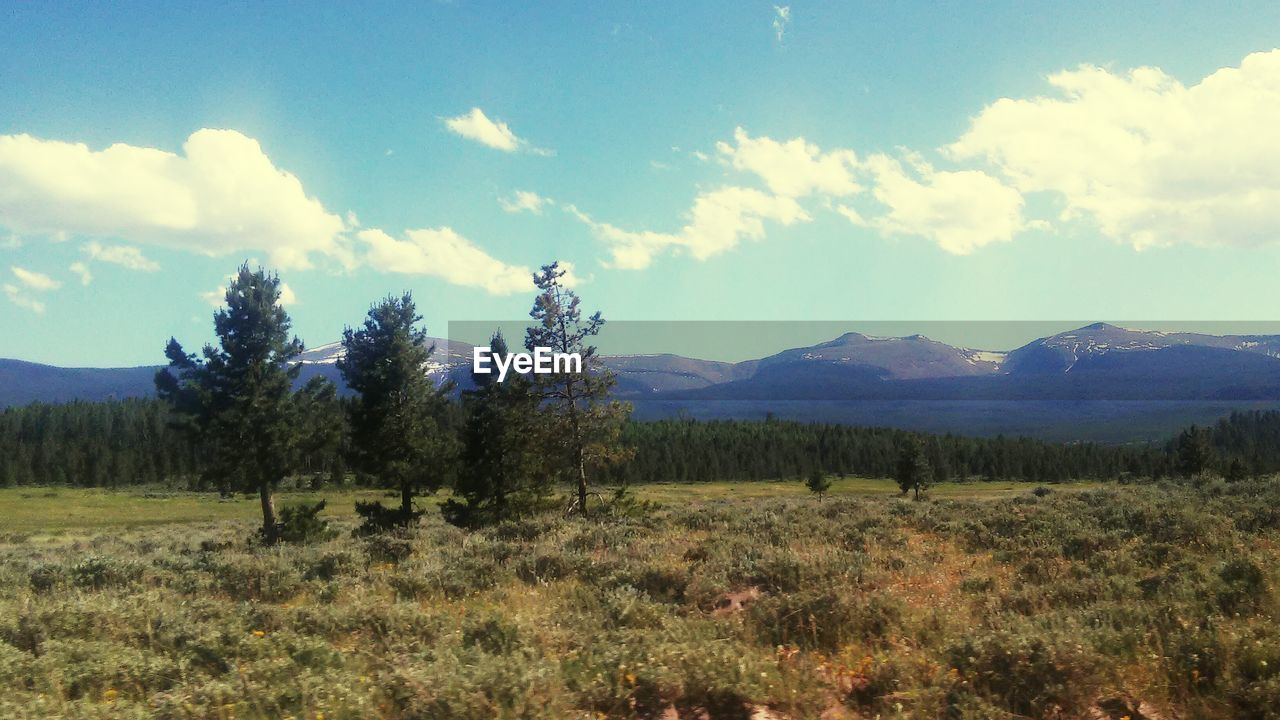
x=692 y=451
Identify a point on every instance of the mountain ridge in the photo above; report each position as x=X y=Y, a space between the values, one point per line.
x=1096 y=363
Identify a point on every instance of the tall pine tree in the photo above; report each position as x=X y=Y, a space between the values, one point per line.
x=503 y=472
x=239 y=396
x=398 y=412
x=576 y=404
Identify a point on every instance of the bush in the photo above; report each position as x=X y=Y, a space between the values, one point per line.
x=1027 y=673
x=379 y=518
x=97 y=572
x=303 y=524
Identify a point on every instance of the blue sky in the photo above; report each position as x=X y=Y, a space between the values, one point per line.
x=692 y=161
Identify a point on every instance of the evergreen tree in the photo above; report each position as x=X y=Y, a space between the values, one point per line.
x=503 y=471
x=818 y=483
x=239 y=395
x=323 y=426
x=1193 y=452
x=397 y=413
x=577 y=405
x=913 y=471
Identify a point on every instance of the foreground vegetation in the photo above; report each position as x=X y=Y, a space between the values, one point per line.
x=1144 y=600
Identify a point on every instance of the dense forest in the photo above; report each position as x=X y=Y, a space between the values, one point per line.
x=133 y=442
x=681 y=450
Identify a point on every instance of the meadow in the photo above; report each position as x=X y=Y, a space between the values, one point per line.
x=717 y=600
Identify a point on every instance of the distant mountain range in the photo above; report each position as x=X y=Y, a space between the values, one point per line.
x=1100 y=382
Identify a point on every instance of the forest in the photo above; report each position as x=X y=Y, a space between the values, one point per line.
x=134 y=442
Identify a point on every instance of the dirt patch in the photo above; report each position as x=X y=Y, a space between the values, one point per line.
x=732 y=603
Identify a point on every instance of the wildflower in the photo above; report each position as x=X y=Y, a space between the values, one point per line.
x=259 y=633
x=110 y=695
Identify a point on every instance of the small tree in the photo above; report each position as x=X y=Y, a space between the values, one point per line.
x=818 y=483
x=913 y=471
x=503 y=471
x=238 y=398
x=1193 y=452
x=397 y=412
x=324 y=430
x=577 y=405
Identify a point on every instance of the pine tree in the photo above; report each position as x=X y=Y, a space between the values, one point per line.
x=322 y=423
x=913 y=471
x=239 y=396
x=1194 y=453
x=818 y=483
x=397 y=414
x=503 y=471
x=577 y=405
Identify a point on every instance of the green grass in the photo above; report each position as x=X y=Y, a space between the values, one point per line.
x=56 y=511
x=53 y=511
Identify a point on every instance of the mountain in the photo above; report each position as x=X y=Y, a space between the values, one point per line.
x=900 y=358
x=22 y=383
x=1061 y=352
x=1099 y=381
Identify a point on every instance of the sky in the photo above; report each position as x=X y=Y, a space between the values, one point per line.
x=685 y=161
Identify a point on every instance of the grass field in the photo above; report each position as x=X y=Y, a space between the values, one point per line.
x=718 y=601
x=56 y=511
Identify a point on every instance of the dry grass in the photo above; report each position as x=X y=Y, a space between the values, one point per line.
x=856 y=606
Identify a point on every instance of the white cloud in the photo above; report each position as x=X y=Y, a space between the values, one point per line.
x=123 y=255
x=82 y=270
x=496 y=134
x=960 y=211
x=21 y=299
x=524 y=201
x=570 y=278
x=30 y=280
x=35 y=280
x=218 y=298
x=443 y=253
x=793 y=168
x=222 y=196
x=1151 y=161
x=718 y=221
x=781 y=17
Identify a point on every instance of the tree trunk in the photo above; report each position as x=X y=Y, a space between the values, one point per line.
x=582 y=480
x=269 y=528
x=406 y=501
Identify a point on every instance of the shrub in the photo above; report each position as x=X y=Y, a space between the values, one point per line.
x=1026 y=673
x=379 y=518
x=303 y=524
x=97 y=572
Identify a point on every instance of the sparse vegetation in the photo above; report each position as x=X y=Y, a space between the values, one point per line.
x=1068 y=604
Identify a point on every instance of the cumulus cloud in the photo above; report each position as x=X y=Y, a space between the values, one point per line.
x=123 y=255
x=718 y=221
x=524 y=201
x=82 y=270
x=793 y=168
x=781 y=17
x=477 y=126
x=223 y=195
x=443 y=253
x=960 y=211
x=1153 y=162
